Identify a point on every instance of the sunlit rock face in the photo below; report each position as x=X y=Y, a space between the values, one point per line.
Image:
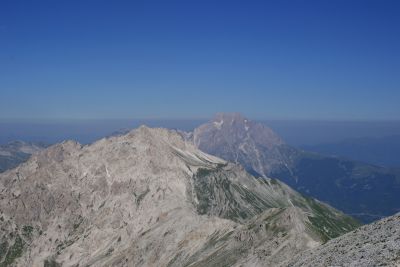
x=150 y=198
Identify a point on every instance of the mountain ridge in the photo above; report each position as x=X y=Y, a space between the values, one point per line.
x=369 y=192
x=109 y=203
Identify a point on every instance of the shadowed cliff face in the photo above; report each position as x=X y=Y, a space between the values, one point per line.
x=365 y=191
x=148 y=198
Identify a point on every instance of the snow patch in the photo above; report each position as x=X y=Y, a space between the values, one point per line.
x=218 y=124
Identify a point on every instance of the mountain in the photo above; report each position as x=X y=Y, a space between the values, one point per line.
x=365 y=191
x=381 y=151
x=148 y=198
x=235 y=138
x=377 y=244
x=14 y=153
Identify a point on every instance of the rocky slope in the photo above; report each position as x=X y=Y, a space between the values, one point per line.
x=148 y=198
x=14 y=153
x=365 y=191
x=377 y=244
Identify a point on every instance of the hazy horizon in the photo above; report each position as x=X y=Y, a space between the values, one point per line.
x=294 y=132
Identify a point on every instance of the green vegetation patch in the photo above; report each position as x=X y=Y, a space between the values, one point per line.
x=204 y=193
x=275 y=228
x=273 y=181
x=3 y=249
x=220 y=256
x=327 y=224
x=51 y=263
x=203 y=172
x=27 y=231
x=213 y=188
x=14 y=252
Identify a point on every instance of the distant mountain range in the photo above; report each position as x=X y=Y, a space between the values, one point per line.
x=365 y=191
x=383 y=151
x=148 y=198
x=14 y=153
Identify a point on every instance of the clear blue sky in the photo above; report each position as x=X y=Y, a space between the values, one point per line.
x=189 y=59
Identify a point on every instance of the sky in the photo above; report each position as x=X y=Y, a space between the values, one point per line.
x=325 y=60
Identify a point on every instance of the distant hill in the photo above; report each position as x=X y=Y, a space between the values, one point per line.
x=382 y=151
x=366 y=191
x=14 y=153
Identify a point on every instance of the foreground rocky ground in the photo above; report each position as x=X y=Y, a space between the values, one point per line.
x=377 y=244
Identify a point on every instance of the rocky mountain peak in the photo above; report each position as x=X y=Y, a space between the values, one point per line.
x=233 y=137
x=229 y=118
x=108 y=204
x=235 y=126
x=358 y=188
